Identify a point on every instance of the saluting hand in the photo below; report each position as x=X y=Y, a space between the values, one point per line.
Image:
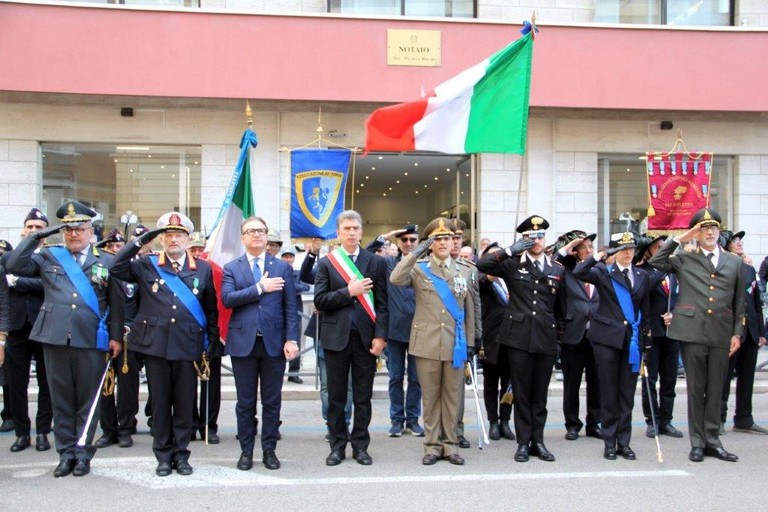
x=359 y=287
x=271 y=284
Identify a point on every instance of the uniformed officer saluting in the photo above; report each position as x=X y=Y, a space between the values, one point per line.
x=536 y=310
x=177 y=321
x=443 y=324
x=81 y=300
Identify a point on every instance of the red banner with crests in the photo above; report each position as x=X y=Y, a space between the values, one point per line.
x=678 y=186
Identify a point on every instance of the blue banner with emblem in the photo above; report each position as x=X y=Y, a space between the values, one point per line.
x=318 y=182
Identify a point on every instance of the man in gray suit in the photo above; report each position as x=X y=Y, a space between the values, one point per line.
x=708 y=320
x=80 y=320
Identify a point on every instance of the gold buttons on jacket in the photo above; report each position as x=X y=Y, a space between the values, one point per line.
x=711 y=287
x=709 y=311
x=711 y=299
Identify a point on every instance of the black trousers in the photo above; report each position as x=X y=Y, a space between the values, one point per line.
x=363 y=366
x=210 y=398
x=73 y=377
x=661 y=363
x=496 y=379
x=258 y=372
x=173 y=395
x=577 y=360
x=18 y=359
x=118 y=412
x=743 y=362
x=617 y=394
x=531 y=374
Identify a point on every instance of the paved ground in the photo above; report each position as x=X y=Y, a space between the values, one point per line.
x=580 y=479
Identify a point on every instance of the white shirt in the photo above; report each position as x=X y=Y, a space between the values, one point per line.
x=180 y=261
x=631 y=276
x=542 y=259
x=715 y=253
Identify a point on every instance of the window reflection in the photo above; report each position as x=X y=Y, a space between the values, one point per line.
x=112 y=179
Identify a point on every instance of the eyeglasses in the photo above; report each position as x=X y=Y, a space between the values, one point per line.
x=407 y=239
x=75 y=231
x=256 y=231
x=535 y=234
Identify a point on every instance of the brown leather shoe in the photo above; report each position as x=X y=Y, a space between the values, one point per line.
x=455 y=459
x=429 y=459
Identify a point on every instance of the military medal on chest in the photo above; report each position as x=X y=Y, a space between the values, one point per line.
x=155 y=287
x=195 y=284
x=99 y=274
x=459 y=286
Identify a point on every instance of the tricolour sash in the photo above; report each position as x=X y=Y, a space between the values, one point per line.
x=83 y=286
x=625 y=301
x=344 y=266
x=456 y=311
x=189 y=299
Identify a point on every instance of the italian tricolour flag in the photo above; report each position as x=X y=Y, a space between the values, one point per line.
x=483 y=109
x=224 y=244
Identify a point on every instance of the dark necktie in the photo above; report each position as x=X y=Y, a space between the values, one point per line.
x=537 y=265
x=627 y=281
x=710 y=257
x=256 y=270
x=176 y=266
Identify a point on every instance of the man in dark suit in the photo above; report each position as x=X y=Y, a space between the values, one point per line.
x=263 y=333
x=744 y=361
x=494 y=297
x=177 y=322
x=576 y=351
x=617 y=332
x=708 y=320
x=26 y=295
x=351 y=292
x=535 y=313
x=80 y=320
x=662 y=357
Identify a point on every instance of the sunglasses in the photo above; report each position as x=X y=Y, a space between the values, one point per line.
x=407 y=239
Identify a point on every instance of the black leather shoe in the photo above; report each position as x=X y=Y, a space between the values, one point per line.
x=463 y=443
x=506 y=432
x=163 y=469
x=541 y=451
x=721 y=454
x=626 y=452
x=296 y=380
x=7 y=425
x=41 y=443
x=270 y=460
x=650 y=431
x=494 y=434
x=245 y=462
x=696 y=455
x=64 y=468
x=572 y=434
x=429 y=459
x=183 y=467
x=362 y=457
x=609 y=453
x=669 y=430
x=21 y=444
x=521 y=455
x=124 y=440
x=106 y=440
x=597 y=432
x=455 y=459
x=335 y=458
x=213 y=437
x=82 y=467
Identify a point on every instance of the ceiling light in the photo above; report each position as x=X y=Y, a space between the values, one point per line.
x=132 y=148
